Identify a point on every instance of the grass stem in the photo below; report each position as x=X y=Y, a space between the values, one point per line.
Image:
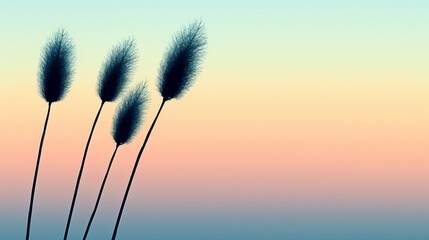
x=134 y=171
x=33 y=189
x=99 y=194
x=80 y=172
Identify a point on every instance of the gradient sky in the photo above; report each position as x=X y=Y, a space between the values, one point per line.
x=308 y=121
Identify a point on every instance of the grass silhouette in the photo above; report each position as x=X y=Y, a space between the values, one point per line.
x=56 y=69
x=126 y=122
x=113 y=78
x=177 y=72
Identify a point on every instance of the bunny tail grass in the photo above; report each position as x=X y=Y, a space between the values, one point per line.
x=80 y=172
x=178 y=70
x=126 y=122
x=56 y=67
x=55 y=73
x=128 y=115
x=113 y=78
x=33 y=189
x=181 y=61
x=130 y=181
x=116 y=71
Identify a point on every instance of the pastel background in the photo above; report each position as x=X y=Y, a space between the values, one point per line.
x=308 y=121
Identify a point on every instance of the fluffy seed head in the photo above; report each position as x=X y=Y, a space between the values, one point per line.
x=56 y=67
x=129 y=114
x=181 y=61
x=116 y=71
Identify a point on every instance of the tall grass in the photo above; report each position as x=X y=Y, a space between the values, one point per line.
x=177 y=72
x=126 y=122
x=56 y=68
x=113 y=78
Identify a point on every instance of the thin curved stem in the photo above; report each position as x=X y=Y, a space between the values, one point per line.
x=80 y=171
x=33 y=189
x=134 y=171
x=100 y=193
